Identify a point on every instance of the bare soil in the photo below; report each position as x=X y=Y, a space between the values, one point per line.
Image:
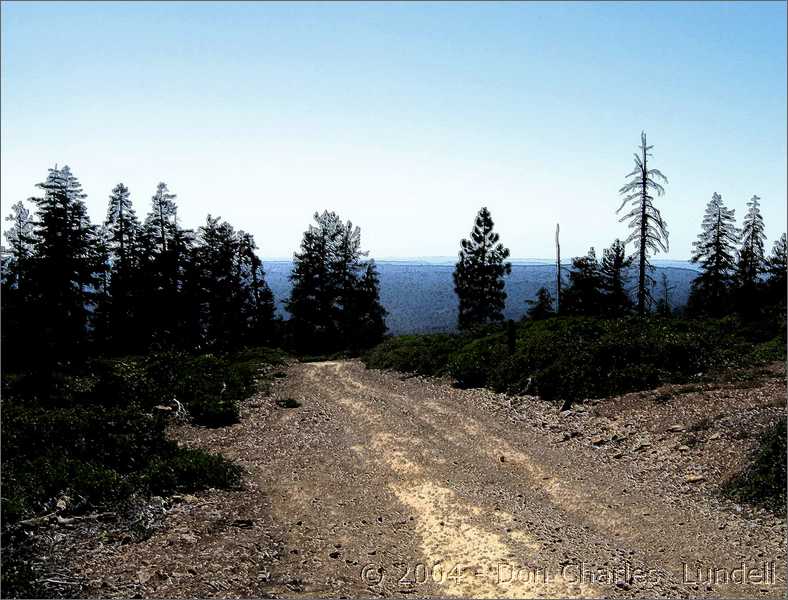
x=381 y=485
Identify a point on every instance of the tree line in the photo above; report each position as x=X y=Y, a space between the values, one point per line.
x=126 y=286
x=72 y=288
x=735 y=274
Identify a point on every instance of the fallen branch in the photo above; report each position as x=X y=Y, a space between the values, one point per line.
x=36 y=521
x=97 y=517
x=58 y=582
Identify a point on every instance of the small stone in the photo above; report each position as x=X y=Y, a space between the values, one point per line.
x=622 y=585
x=694 y=478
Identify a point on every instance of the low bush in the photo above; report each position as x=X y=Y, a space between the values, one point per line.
x=473 y=364
x=189 y=469
x=211 y=389
x=572 y=358
x=763 y=481
x=419 y=354
x=93 y=435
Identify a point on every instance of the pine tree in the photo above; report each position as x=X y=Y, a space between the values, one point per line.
x=65 y=263
x=752 y=260
x=715 y=250
x=649 y=229
x=614 y=277
x=312 y=303
x=217 y=252
x=123 y=245
x=20 y=239
x=542 y=307
x=258 y=305
x=16 y=291
x=334 y=300
x=777 y=267
x=664 y=302
x=583 y=295
x=167 y=312
x=368 y=325
x=479 y=274
x=161 y=223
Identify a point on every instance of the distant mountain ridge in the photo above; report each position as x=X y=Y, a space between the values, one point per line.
x=419 y=294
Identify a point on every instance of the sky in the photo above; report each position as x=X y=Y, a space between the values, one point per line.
x=404 y=118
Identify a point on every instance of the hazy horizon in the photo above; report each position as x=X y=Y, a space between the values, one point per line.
x=403 y=118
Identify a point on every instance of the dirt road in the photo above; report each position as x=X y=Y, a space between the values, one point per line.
x=382 y=485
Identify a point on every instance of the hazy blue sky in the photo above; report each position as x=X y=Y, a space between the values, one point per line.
x=404 y=118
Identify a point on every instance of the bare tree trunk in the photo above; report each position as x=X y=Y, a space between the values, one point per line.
x=643 y=234
x=558 y=270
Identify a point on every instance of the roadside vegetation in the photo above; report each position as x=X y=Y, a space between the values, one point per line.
x=95 y=439
x=569 y=359
x=763 y=482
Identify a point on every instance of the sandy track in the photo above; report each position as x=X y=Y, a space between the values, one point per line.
x=380 y=485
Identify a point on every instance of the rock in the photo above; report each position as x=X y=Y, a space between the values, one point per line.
x=694 y=478
x=598 y=441
x=335 y=554
x=641 y=446
x=714 y=436
x=676 y=428
x=243 y=523
x=684 y=448
x=144 y=576
x=163 y=408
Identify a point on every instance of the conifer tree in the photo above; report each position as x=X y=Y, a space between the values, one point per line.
x=65 y=263
x=368 y=325
x=479 y=274
x=777 y=268
x=583 y=295
x=614 y=277
x=752 y=259
x=542 y=307
x=161 y=223
x=664 y=302
x=20 y=245
x=217 y=253
x=312 y=303
x=258 y=307
x=715 y=251
x=16 y=291
x=123 y=245
x=334 y=300
x=168 y=312
x=649 y=229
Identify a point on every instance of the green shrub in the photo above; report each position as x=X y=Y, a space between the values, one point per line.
x=472 y=364
x=764 y=480
x=571 y=358
x=769 y=351
x=419 y=354
x=187 y=470
x=93 y=436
